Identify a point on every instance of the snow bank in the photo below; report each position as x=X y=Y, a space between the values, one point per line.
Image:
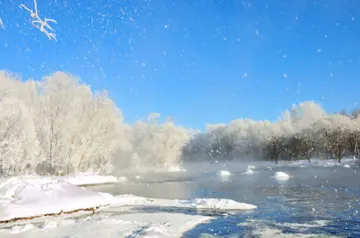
x=90 y=179
x=223 y=173
x=30 y=197
x=176 y=168
x=211 y=204
x=161 y=225
x=219 y=204
x=281 y=176
x=33 y=196
x=316 y=162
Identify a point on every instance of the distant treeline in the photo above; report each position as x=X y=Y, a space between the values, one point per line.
x=58 y=125
x=303 y=132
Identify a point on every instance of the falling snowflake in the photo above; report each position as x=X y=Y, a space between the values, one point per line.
x=2 y=24
x=285 y=75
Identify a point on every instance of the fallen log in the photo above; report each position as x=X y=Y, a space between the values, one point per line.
x=92 y=209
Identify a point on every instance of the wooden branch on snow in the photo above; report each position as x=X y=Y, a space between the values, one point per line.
x=92 y=209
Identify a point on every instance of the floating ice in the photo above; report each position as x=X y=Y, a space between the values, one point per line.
x=223 y=173
x=219 y=204
x=281 y=176
x=249 y=171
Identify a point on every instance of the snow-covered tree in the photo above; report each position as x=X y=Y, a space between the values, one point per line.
x=76 y=127
x=300 y=133
x=153 y=145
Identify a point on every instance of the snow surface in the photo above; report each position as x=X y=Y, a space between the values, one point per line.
x=211 y=204
x=22 y=197
x=176 y=168
x=162 y=225
x=218 y=204
x=32 y=196
x=316 y=162
x=91 y=179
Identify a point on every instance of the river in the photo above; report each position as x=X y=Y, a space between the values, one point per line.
x=319 y=198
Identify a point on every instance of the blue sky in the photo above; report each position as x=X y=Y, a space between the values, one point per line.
x=196 y=61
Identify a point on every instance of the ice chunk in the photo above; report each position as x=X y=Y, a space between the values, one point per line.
x=281 y=176
x=249 y=171
x=219 y=204
x=223 y=173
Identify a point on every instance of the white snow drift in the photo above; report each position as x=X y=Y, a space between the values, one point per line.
x=21 y=197
x=91 y=179
x=161 y=225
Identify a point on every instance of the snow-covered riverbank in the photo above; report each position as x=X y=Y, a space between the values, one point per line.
x=27 y=198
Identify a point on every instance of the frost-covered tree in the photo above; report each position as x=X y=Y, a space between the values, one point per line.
x=302 y=132
x=56 y=125
x=152 y=144
x=78 y=130
x=18 y=141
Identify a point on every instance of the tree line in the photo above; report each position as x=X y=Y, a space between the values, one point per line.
x=58 y=125
x=304 y=132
